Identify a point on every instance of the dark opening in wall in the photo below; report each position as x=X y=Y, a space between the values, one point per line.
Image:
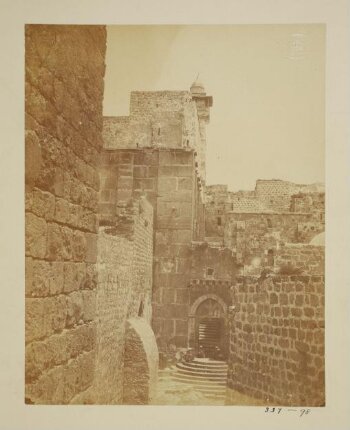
x=269 y=223
x=270 y=257
x=219 y=221
x=140 y=313
x=210 y=271
x=158 y=131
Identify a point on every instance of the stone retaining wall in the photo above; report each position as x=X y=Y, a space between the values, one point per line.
x=277 y=340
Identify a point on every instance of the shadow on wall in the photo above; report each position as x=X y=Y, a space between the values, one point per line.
x=140 y=363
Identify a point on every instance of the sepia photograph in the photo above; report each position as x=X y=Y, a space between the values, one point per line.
x=175 y=188
x=175 y=215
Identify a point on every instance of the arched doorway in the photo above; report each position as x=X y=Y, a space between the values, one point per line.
x=208 y=326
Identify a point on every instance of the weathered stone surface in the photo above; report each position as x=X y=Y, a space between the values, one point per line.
x=33 y=159
x=74 y=306
x=44 y=316
x=64 y=92
x=43 y=278
x=140 y=363
x=284 y=348
x=60 y=384
x=36 y=236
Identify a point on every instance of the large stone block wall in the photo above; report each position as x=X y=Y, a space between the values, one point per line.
x=124 y=290
x=208 y=262
x=125 y=174
x=158 y=119
x=116 y=131
x=307 y=259
x=64 y=91
x=113 y=300
x=174 y=232
x=168 y=179
x=277 y=340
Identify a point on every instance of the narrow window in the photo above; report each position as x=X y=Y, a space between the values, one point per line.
x=158 y=131
x=140 y=314
x=269 y=223
x=270 y=258
x=219 y=220
x=210 y=271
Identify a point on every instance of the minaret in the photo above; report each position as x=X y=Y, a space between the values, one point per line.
x=203 y=103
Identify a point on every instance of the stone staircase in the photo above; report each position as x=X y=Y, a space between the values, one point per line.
x=204 y=375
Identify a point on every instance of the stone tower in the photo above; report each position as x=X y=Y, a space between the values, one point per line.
x=203 y=103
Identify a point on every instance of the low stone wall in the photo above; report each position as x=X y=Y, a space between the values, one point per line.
x=123 y=291
x=113 y=299
x=277 y=340
x=140 y=363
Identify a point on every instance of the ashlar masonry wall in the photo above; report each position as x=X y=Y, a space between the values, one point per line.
x=65 y=66
x=168 y=179
x=124 y=291
x=277 y=340
x=158 y=119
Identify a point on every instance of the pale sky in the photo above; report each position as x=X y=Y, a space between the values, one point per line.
x=267 y=83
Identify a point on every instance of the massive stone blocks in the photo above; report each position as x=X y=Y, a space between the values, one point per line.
x=64 y=90
x=277 y=340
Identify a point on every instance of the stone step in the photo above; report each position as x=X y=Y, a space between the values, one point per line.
x=206 y=362
x=218 y=378
x=189 y=378
x=201 y=371
x=204 y=370
x=203 y=376
x=202 y=367
x=199 y=380
x=202 y=382
x=219 y=390
x=211 y=390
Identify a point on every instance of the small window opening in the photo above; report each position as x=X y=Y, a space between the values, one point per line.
x=219 y=220
x=270 y=257
x=210 y=271
x=158 y=131
x=140 y=314
x=269 y=223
